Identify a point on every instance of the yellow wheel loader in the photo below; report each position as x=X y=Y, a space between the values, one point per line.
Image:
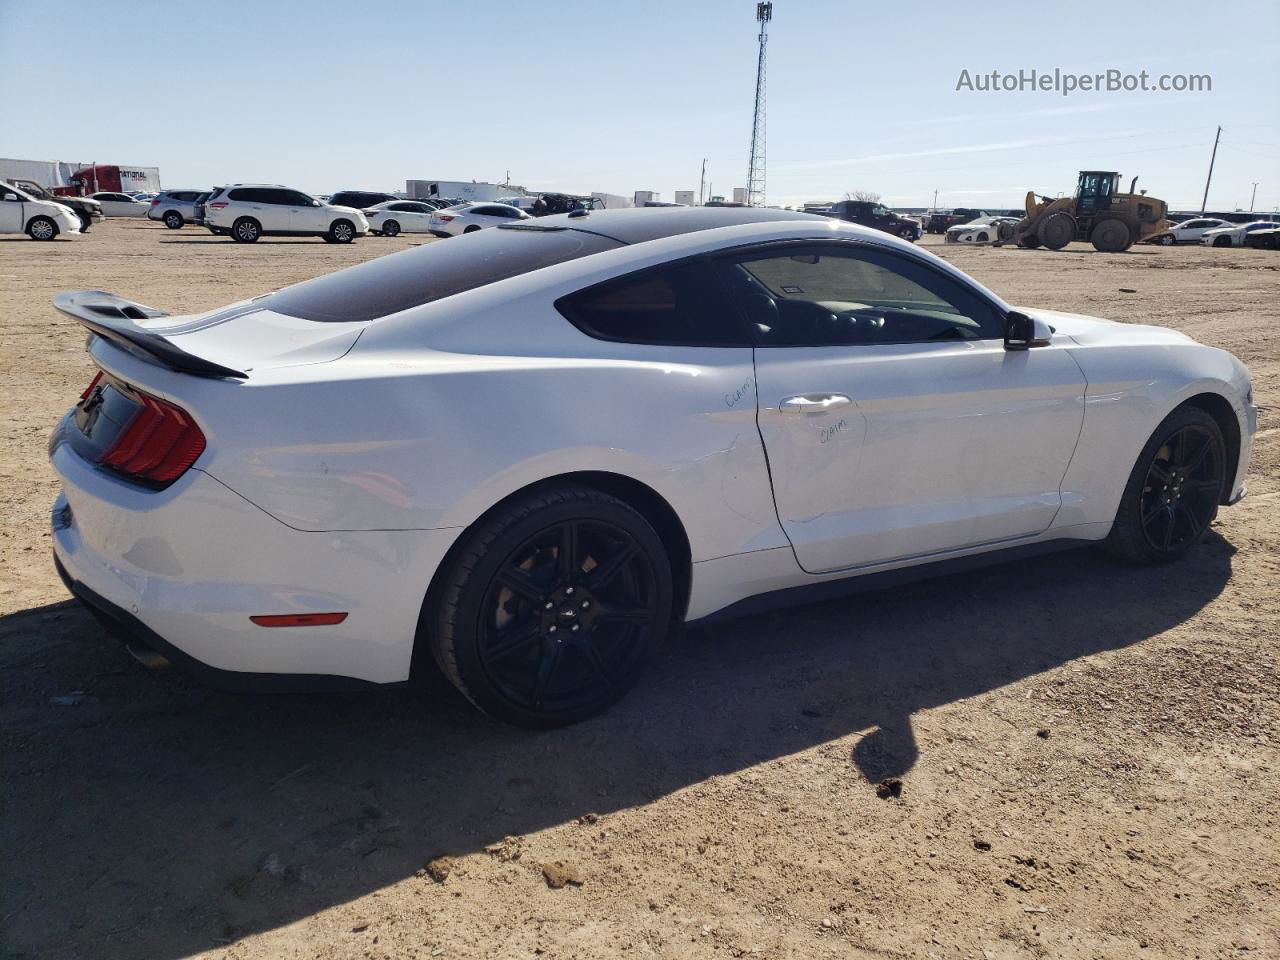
x=1110 y=220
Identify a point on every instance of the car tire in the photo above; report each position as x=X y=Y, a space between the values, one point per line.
x=1168 y=240
x=1056 y=230
x=907 y=234
x=42 y=228
x=550 y=607
x=246 y=230
x=1173 y=491
x=173 y=220
x=86 y=221
x=341 y=231
x=1029 y=243
x=391 y=228
x=1111 y=236
x=1222 y=241
x=472 y=229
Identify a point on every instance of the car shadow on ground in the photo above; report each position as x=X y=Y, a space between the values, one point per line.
x=157 y=818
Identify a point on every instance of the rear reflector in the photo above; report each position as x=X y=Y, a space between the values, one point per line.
x=299 y=619
x=157 y=446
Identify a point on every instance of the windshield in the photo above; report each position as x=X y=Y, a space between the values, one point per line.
x=431 y=272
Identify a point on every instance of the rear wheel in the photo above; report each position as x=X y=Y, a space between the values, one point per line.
x=1030 y=243
x=1056 y=230
x=1173 y=491
x=173 y=220
x=1222 y=241
x=1168 y=240
x=551 y=608
x=246 y=230
x=907 y=234
x=42 y=228
x=471 y=229
x=390 y=228
x=342 y=231
x=1110 y=236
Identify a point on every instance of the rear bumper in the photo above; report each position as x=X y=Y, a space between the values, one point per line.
x=183 y=570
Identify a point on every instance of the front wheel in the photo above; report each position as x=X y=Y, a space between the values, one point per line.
x=42 y=228
x=551 y=607
x=1222 y=241
x=86 y=221
x=908 y=235
x=1173 y=491
x=342 y=231
x=1168 y=240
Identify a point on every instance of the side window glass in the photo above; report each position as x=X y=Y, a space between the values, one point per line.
x=817 y=296
x=680 y=304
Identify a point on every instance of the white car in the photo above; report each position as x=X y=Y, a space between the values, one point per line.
x=248 y=211
x=121 y=204
x=174 y=208
x=399 y=216
x=1189 y=231
x=979 y=231
x=1233 y=234
x=39 y=219
x=526 y=455
x=472 y=216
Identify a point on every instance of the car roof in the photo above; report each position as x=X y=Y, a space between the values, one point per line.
x=640 y=224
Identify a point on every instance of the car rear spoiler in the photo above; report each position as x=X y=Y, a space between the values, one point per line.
x=112 y=318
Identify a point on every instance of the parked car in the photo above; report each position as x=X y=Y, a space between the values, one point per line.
x=1188 y=231
x=174 y=208
x=197 y=208
x=877 y=216
x=980 y=231
x=1233 y=234
x=1263 y=239
x=939 y=222
x=526 y=456
x=360 y=199
x=470 y=217
x=20 y=212
x=246 y=212
x=400 y=216
x=88 y=211
x=121 y=204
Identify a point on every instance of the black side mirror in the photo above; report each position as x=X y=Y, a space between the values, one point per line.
x=1022 y=332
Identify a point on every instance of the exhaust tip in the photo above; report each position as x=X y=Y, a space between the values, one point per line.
x=149 y=658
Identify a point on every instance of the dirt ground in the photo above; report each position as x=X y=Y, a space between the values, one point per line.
x=1086 y=750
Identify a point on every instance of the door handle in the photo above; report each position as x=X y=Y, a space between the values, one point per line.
x=813 y=402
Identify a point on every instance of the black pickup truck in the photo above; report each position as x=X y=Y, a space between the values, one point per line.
x=939 y=222
x=876 y=215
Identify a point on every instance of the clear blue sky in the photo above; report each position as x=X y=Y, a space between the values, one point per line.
x=582 y=96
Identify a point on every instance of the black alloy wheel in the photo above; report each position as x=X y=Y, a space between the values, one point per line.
x=553 y=607
x=1184 y=484
x=1174 y=489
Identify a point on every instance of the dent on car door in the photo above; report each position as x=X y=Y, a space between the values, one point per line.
x=896 y=423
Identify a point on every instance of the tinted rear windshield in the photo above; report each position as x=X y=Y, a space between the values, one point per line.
x=430 y=272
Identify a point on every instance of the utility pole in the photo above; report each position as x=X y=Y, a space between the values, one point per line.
x=1254 y=198
x=755 y=168
x=702 y=182
x=1205 y=202
x=935 y=201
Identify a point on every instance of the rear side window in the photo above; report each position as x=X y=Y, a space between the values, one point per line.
x=431 y=272
x=683 y=303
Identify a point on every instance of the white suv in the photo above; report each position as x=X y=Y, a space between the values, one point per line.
x=246 y=212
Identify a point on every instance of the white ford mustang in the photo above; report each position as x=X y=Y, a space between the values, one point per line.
x=526 y=454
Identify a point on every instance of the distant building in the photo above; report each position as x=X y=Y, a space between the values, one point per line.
x=612 y=201
x=685 y=197
x=739 y=194
x=645 y=196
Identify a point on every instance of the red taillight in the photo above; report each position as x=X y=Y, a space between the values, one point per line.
x=215 y=206
x=298 y=619
x=155 y=202
x=157 y=446
x=445 y=219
